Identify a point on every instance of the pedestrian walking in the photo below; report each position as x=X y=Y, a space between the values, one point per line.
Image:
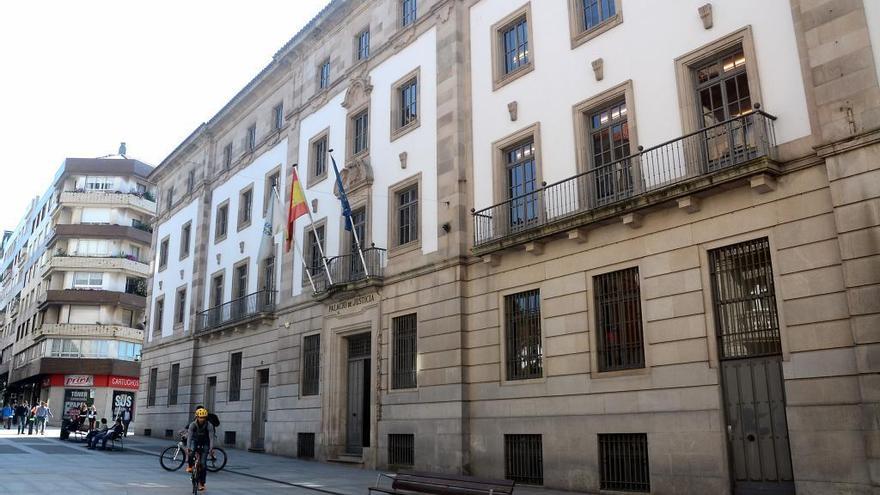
x=92 y=414
x=126 y=419
x=21 y=412
x=7 y=414
x=42 y=414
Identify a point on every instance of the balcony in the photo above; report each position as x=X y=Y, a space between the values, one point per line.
x=91 y=331
x=347 y=272
x=140 y=202
x=237 y=312
x=98 y=263
x=88 y=296
x=726 y=152
x=100 y=231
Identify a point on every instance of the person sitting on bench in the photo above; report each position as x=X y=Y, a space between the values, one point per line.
x=92 y=434
x=107 y=435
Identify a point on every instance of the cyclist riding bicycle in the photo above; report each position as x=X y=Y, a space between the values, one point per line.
x=200 y=438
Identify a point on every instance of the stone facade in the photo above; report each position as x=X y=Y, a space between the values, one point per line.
x=812 y=194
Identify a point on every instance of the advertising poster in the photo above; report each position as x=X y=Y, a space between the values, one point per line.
x=122 y=400
x=73 y=397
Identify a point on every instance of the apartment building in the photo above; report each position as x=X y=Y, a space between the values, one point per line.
x=608 y=245
x=74 y=288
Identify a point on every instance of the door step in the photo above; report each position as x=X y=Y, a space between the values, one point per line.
x=348 y=459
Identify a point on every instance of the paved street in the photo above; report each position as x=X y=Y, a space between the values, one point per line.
x=45 y=464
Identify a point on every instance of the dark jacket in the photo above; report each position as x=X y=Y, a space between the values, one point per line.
x=21 y=410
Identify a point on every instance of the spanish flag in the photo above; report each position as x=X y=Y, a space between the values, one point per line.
x=298 y=208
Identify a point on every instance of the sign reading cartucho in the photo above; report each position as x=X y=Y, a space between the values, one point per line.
x=353 y=305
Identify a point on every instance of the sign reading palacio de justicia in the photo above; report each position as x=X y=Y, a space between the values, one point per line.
x=353 y=304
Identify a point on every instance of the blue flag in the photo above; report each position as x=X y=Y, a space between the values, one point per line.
x=346 y=208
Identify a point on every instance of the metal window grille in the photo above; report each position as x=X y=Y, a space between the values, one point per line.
x=363 y=45
x=151 y=390
x=522 y=315
x=403 y=368
x=324 y=81
x=515 y=38
x=524 y=459
x=623 y=462
x=234 y=376
x=619 y=320
x=311 y=364
x=408 y=215
x=409 y=12
x=173 y=382
x=359 y=346
x=361 y=125
x=409 y=106
x=229 y=438
x=320 y=150
x=744 y=297
x=401 y=450
x=598 y=11
x=305 y=445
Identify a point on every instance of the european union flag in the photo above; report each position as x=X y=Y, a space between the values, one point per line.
x=346 y=208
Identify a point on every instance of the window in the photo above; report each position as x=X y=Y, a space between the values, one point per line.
x=311 y=364
x=185 y=232
x=405 y=104
x=99 y=183
x=522 y=327
x=363 y=44
x=313 y=251
x=240 y=282
x=151 y=388
x=88 y=280
x=520 y=185
x=360 y=134
x=318 y=161
x=405 y=214
x=234 y=376
x=245 y=207
x=618 y=311
x=158 y=316
x=169 y=198
x=597 y=11
x=305 y=445
x=252 y=137
x=163 y=253
x=273 y=185
x=609 y=144
x=278 y=116
x=180 y=306
x=623 y=462
x=401 y=450
x=173 y=382
x=524 y=459
x=511 y=50
x=217 y=290
x=744 y=300
x=269 y=274
x=324 y=75
x=590 y=18
x=409 y=103
x=405 y=342
x=91 y=247
x=359 y=224
x=222 y=221
x=227 y=156
x=190 y=181
x=515 y=40
x=409 y=11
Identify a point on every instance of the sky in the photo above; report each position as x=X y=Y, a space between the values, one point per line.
x=79 y=77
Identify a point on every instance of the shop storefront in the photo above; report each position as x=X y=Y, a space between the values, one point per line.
x=110 y=395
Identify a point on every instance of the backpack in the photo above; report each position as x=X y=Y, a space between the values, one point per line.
x=213 y=419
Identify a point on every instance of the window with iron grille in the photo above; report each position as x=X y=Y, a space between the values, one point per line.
x=522 y=317
x=363 y=44
x=151 y=388
x=515 y=44
x=324 y=75
x=405 y=342
x=619 y=320
x=229 y=438
x=173 y=382
x=407 y=215
x=744 y=298
x=623 y=462
x=360 y=137
x=408 y=14
x=305 y=445
x=234 y=376
x=311 y=364
x=597 y=11
x=401 y=450
x=524 y=459
x=409 y=103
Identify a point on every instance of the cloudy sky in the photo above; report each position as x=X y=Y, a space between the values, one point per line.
x=78 y=77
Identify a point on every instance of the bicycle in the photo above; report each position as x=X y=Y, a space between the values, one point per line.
x=173 y=457
x=197 y=469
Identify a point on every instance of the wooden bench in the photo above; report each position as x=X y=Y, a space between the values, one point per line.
x=405 y=483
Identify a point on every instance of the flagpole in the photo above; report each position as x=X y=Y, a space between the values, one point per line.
x=299 y=249
x=353 y=230
x=315 y=232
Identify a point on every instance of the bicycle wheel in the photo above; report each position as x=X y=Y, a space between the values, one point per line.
x=197 y=467
x=171 y=458
x=217 y=461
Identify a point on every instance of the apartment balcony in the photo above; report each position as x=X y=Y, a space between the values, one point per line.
x=98 y=263
x=248 y=309
x=100 y=231
x=89 y=296
x=140 y=202
x=347 y=272
x=731 y=151
x=90 y=331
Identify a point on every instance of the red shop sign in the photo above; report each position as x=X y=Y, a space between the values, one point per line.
x=79 y=380
x=124 y=382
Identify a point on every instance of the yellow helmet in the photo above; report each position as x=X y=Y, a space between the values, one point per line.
x=201 y=412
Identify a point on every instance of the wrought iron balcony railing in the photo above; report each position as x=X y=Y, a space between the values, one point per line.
x=701 y=153
x=348 y=269
x=237 y=310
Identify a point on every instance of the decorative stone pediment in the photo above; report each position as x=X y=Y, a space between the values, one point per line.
x=358 y=93
x=356 y=174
